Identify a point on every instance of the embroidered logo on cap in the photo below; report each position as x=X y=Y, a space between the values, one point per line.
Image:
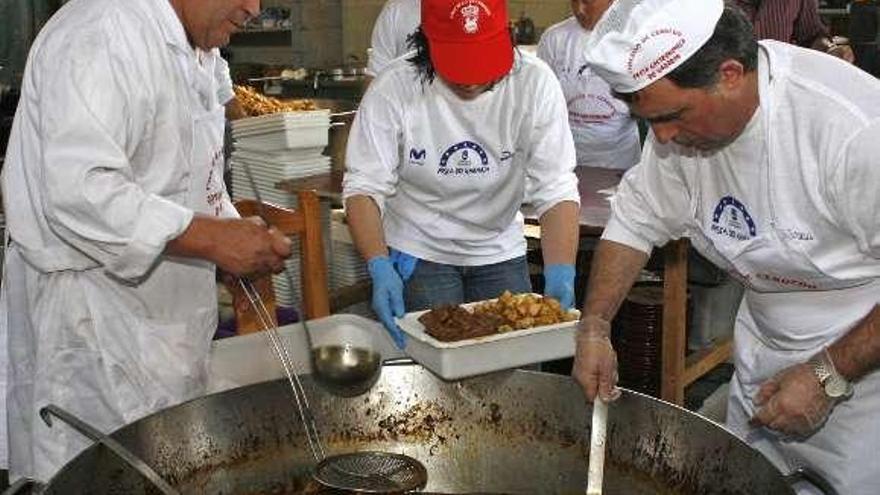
x=662 y=49
x=470 y=12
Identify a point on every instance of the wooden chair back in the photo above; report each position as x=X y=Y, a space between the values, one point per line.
x=304 y=222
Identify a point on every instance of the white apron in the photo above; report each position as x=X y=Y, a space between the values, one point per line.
x=106 y=351
x=604 y=133
x=775 y=330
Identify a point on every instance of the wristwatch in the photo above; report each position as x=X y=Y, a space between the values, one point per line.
x=833 y=383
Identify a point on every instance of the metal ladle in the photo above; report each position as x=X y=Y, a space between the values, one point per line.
x=350 y=371
x=345 y=370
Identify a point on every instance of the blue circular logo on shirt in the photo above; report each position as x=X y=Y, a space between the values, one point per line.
x=466 y=158
x=462 y=155
x=732 y=219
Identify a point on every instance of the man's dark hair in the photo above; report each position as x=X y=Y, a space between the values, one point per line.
x=733 y=39
x=418 y=42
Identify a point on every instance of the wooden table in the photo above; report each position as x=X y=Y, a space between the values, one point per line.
x=679 y=369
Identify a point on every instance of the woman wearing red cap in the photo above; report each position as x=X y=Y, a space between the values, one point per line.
x=446 y=148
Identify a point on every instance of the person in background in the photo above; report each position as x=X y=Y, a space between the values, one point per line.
x=793 y=21
x=764 y=155
x=605 y=135
x=398 y=20
x=446 y=148
x=117 y=218
x=864 y=34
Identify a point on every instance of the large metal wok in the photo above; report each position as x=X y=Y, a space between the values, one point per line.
x=510 y=432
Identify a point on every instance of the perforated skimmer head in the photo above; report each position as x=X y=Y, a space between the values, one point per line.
x=372 y=472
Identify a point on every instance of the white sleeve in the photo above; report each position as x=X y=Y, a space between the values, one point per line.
x=652 y=203
x=550 y=159
x=223 y=78
x=95 y=113
x=545 y=50
x=385 y=39
x=372 y=154
x=853 y=189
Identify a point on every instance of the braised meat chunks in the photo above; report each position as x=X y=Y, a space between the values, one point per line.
x=450 y=323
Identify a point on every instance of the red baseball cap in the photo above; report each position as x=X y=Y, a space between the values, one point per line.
x=469 y=39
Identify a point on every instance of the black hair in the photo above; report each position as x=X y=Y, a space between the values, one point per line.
x=418 y=42
x=422 y=59
x=733 y=38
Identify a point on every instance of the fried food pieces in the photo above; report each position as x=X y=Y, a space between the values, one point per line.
x=507 y=313
x=256 y=104
x=524 y=311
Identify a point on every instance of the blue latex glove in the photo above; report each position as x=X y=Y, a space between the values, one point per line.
x=559 y=284
x=404 y=263
x=387 y=296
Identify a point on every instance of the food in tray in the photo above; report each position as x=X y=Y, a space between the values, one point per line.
x=450 y=323
x=256 y=104
x=507 y=313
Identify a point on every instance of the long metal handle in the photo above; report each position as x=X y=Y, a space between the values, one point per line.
x=299 y=394
x=399 y=361
x=812 y=477
x=117 y=448
x=261 y=212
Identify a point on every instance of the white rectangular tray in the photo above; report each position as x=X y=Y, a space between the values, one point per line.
x=464 y=358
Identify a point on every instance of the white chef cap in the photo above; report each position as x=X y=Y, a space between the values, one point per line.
x=639 y=41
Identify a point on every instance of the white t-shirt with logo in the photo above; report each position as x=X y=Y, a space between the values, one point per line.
x=450 y=175
x=804 y=167
x=398 y=19
x=604 y=133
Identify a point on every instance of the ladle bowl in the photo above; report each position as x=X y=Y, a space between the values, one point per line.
x=345 y=370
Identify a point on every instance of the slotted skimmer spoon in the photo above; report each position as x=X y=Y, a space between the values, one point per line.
x=364 y=472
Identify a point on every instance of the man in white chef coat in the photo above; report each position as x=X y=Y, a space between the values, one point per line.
x=117 y=217
x=396 y=22
x=605 y=134
x=446 y=147
x=765 y=156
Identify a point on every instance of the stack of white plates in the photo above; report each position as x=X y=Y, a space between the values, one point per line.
x=284 y=131
x=273 y=148
x=268 y=169
x=347 y=267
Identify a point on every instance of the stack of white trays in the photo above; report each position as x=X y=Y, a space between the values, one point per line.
x=283 y=131
x=278 y=147
x=347 y=267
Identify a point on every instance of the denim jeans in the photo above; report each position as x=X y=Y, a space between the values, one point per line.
x=434 y=284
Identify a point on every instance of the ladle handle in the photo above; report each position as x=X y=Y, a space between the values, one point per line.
x=596 y=469
x=399 y=361
x=117 y=448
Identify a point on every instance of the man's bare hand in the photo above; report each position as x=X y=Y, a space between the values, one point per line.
x=243 y=247
x=844 y=52
x=595 y=362
x=792 y=402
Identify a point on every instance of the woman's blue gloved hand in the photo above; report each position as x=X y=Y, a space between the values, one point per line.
x=559 y=284
x=387 y=296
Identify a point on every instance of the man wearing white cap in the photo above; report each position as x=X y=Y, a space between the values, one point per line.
x=446 y=147
x=765 y=156
x=605 y=135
